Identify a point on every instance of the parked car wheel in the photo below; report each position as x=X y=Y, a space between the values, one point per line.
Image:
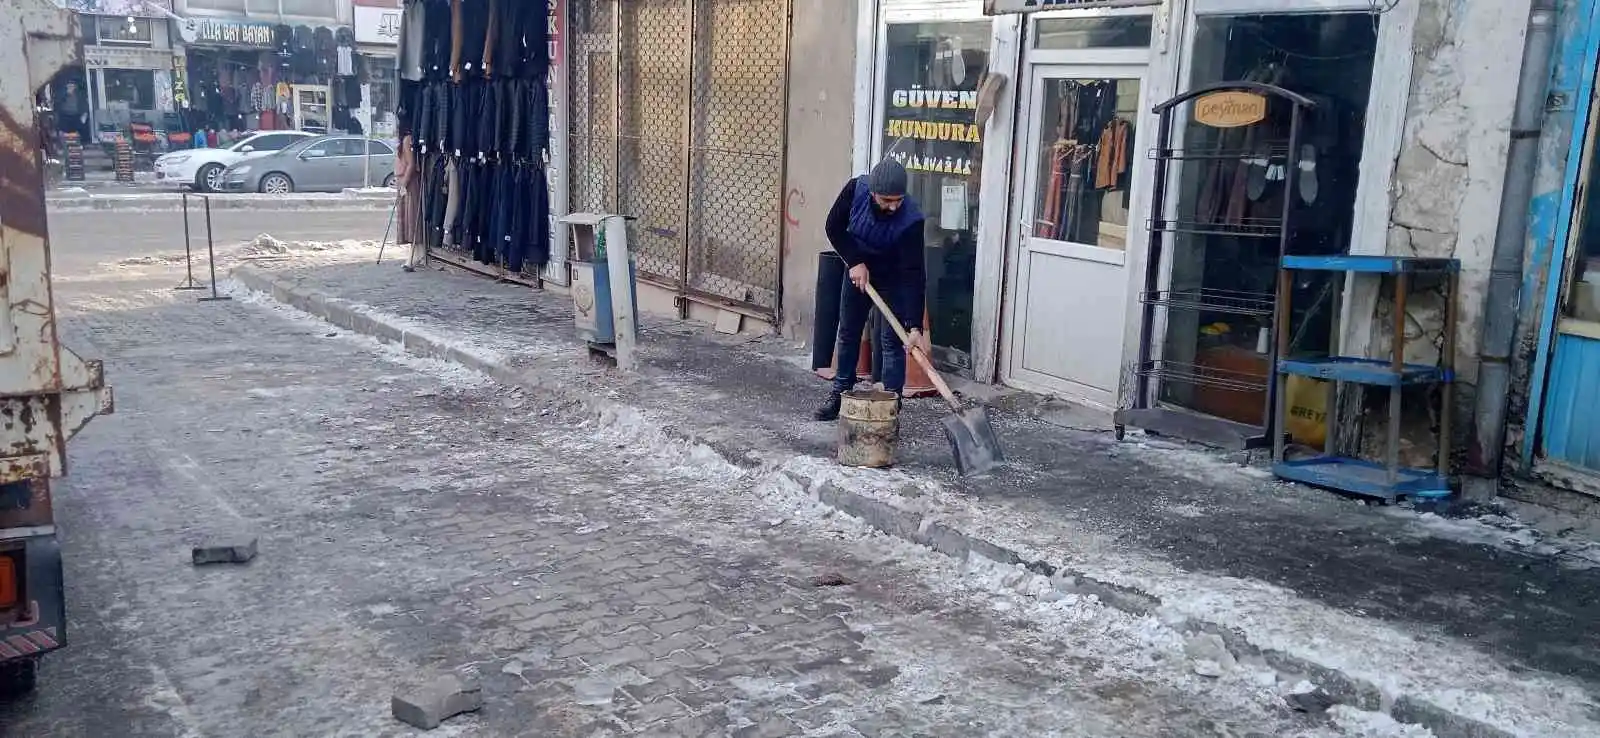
x=389 y=181
x=277 y=184
x=209 y=178
x=18 y=677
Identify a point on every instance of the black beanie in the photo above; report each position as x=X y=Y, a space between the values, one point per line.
x=888 y=179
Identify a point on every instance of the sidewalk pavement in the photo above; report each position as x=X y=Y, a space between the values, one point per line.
x=1481 y=626
x=136 y=198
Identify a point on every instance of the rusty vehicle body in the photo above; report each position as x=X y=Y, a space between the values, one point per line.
x=47 y=393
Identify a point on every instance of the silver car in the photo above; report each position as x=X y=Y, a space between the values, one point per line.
x=321 y=164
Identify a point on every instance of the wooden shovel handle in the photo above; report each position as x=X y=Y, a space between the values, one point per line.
x=915 y=351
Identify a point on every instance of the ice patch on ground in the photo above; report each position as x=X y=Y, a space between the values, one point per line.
x=1363 y=724
x=1504 y=533
x=449 y=373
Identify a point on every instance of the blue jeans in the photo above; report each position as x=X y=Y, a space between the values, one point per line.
x=854 y=307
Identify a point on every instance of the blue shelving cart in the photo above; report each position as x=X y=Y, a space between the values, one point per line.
x=1332 y=470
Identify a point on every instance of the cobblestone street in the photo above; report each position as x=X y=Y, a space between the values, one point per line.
x=415 y=518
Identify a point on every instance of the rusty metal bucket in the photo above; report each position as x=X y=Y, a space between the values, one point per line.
x=869 y=425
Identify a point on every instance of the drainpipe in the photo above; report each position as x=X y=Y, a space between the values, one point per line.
x=1510 y=243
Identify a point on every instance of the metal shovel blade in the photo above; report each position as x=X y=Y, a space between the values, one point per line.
x=972 y=441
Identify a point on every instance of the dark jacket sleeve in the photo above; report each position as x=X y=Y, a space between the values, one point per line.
x=912 y=278
x=838 y=226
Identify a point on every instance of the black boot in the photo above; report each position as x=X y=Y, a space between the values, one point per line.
x=828 y=410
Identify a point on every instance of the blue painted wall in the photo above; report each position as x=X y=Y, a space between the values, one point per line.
x=1571 y=425
x=1557 y=382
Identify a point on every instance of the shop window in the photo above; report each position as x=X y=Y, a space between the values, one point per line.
x=113 y=31
x=1232 y=186
x=133 y=87
x=1107 y=32
x=930 y=100
x=1085 y=161
x=1583 y=290
x=232 y=6
x=310 y=8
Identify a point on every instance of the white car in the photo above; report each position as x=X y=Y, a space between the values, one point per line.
x=202 y=168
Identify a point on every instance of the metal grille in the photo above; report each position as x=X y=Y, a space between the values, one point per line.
x=654 y=88
x=695 y=152
x=736 y=150
x=593 y=122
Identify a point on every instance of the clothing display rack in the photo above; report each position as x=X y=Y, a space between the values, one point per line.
x=1331 y=470
x=474 y=119
x=1244 y=158
x=1088 y=160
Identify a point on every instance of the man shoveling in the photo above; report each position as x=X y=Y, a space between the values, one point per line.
x=877 y=229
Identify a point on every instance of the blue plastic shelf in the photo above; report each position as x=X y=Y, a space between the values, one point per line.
x=1364 y=478
x=1370 y=264
x=1374 y=372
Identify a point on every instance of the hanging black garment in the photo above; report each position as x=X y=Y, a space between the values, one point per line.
x=436 y=44
x=536 y=250
x=474 y=30
x=535 y=43
x=327 y=53
x=485 y=110
x=508 y=37
x=536 y=119
x=477 y=216
x=458 y=137
x=436 y=201
x=517 y=238
x=503 y=212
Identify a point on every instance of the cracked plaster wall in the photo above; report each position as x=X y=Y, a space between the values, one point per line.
x=1445 y=198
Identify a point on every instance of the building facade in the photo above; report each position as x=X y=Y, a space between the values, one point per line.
x=1032 y=139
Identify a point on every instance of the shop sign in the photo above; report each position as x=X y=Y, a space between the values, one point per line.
x=112 y=57
x=1230 y=109
x=377 y=25
x=1007 y=7
x=933 y=130
x=223 y=32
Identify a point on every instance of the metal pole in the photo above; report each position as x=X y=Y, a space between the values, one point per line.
x=211 y=254
x=188 y=282
x=1510 y=243
x=88 y=103
x=385 y=242
x=366 y=162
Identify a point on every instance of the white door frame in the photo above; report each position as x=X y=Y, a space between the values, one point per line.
x=1384 y=132
x=1023 y=198
x=872 y=28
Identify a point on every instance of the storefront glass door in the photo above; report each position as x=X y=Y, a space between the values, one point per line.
x=1071 y=246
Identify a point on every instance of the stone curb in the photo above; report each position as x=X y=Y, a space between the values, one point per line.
x=907 y=525
x=175 y=203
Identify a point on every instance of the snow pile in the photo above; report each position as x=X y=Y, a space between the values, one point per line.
x=265 y=245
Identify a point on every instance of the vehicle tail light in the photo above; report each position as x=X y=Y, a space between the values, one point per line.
x=9 y=596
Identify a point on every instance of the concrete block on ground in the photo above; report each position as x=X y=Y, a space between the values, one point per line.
x=431 y=704
x=235 y=551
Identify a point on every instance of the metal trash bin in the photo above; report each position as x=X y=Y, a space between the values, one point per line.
x=605 y=322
